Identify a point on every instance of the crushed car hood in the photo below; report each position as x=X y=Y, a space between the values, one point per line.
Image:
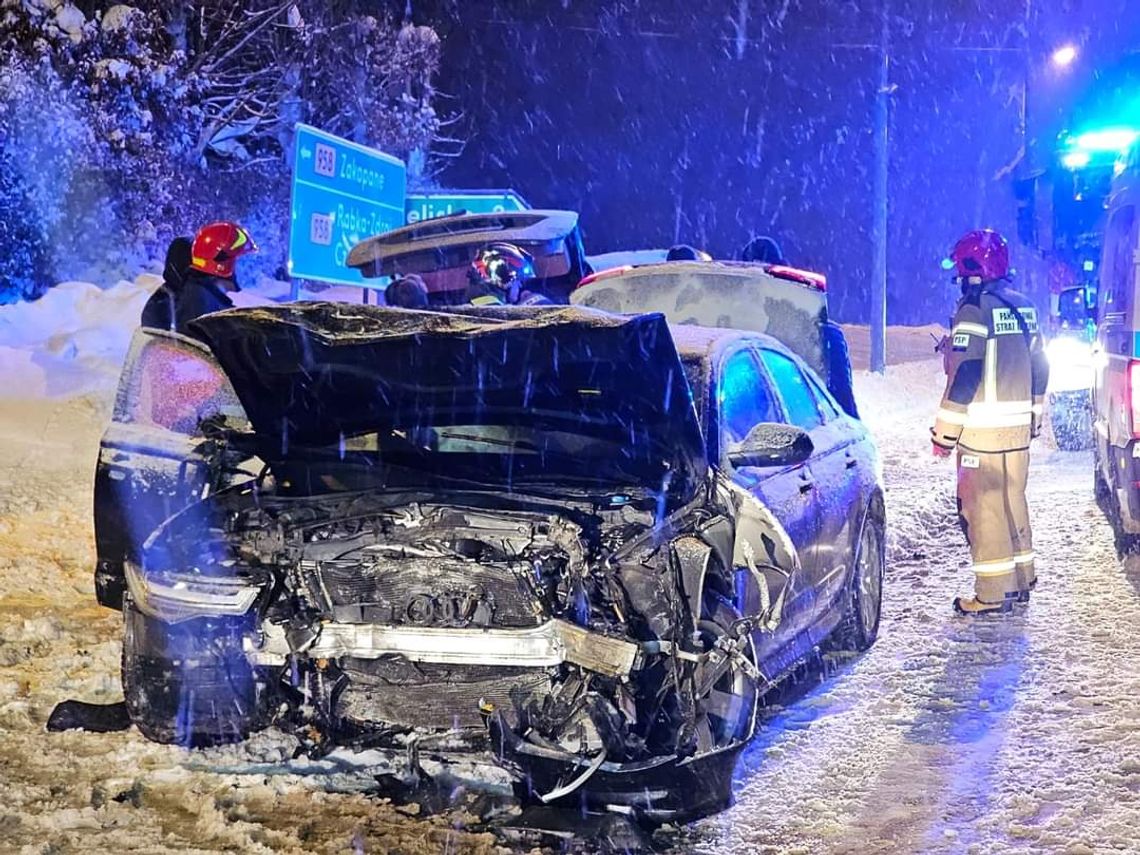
x=312 y=374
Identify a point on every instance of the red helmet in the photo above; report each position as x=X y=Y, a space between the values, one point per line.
x=500 y=265
x=217 y=246
x=982 y=256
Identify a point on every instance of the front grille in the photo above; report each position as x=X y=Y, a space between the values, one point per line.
x=439 y=697
x=426 y=592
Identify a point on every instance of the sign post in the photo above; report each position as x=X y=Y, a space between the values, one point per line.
x=441 y=203
x=342 y=193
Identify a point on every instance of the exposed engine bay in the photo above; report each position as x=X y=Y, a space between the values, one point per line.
x=558 y=635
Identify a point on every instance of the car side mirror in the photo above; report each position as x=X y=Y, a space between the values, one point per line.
x=772 y=444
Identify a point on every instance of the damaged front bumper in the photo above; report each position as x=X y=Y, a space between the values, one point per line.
x=553 y=643
x=658 y=789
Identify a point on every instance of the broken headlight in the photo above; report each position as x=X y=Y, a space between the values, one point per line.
x=175 y=596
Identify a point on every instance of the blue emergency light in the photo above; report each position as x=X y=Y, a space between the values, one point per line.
x=1100 y=146
x=1114 y=140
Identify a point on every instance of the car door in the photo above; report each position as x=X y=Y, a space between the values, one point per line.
x=836 y=467
x=151 y=462
x=745 y=399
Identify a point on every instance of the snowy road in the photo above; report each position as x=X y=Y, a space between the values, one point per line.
x=1003 y=736
x=1008 y=736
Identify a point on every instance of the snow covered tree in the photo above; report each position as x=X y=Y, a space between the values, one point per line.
x=88 y=117
x=123 y=125
x=269 y=64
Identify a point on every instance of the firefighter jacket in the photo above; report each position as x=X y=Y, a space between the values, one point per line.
x=996 y=373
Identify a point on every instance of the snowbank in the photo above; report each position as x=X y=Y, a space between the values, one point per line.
x=904 y=344
x=72 y=340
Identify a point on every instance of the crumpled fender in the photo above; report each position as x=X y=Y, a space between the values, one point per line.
x=764 y=549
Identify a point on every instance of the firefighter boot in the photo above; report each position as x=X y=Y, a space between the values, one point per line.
x=1023 y=594
x=973 y=607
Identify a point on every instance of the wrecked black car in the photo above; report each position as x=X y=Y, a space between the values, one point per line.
x=583 y=544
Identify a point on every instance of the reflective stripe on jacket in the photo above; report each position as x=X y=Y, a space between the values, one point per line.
x=997 y=373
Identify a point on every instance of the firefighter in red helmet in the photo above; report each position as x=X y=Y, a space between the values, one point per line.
x=992 y=407
x=206 y=283
x=502 y=273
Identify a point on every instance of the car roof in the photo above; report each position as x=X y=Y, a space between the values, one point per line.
x=695 y=342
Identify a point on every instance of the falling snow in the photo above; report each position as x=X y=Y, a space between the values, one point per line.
x=1007 y=736
x=664 y=122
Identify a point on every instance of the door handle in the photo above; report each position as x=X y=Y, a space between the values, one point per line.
x=852 y=461
x=806 y=484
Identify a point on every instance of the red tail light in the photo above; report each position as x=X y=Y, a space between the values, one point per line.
x=173 y=385
x=1134 y=395
x=794 y=274
x=605 y=274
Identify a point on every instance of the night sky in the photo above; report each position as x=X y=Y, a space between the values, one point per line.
x=661 y=124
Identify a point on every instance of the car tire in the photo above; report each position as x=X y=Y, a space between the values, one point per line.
x=1108 y=500
x=863 y=600
x=190 y=683
x=1102 y=492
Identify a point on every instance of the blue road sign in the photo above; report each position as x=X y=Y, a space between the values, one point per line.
x=440 y=203
x=342 y=194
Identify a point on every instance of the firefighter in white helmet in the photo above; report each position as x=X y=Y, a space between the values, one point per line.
x=992 y=407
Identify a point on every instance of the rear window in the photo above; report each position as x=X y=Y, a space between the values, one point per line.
x=445 y=269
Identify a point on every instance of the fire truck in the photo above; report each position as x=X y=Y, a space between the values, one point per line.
x=1064 y=213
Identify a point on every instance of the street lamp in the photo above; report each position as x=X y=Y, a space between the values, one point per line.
x=1064 y=56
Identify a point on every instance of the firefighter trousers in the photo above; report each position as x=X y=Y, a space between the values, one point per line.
x=994 y=517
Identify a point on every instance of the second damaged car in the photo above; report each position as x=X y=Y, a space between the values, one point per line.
x=556 y=536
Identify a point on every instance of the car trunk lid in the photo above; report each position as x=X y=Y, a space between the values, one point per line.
x=786 y=304
x=440 y=250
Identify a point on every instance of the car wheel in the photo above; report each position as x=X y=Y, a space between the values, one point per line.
x=1101 y=491
x=727 y=710
x=863 y=605
x=1108 y=499
x=190 y=683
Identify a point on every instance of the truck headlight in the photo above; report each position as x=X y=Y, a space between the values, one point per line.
x=1070 y=364
x=174 y=597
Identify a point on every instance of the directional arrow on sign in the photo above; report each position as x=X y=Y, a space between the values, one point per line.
x=324 y=199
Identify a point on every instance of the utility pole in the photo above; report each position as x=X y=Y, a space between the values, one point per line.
x=879 y=223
